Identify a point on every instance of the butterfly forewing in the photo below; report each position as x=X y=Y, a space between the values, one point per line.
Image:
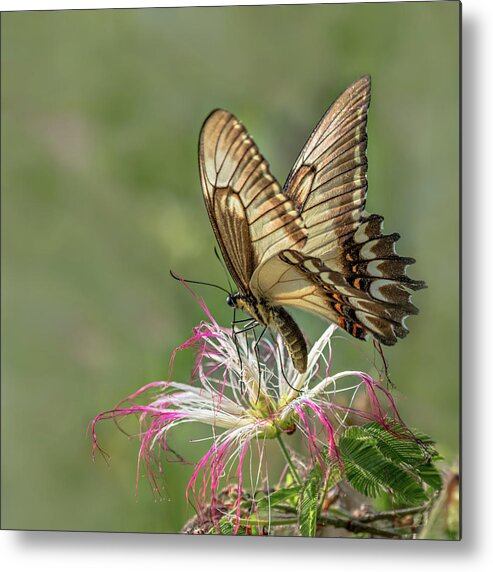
x=328 y=180
x=252 y=218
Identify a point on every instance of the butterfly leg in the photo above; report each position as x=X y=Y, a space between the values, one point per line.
x=247 y=328
x=257 y=341
x=378 y=346
x=251 y=324
x=250 y=327
x=235 y=339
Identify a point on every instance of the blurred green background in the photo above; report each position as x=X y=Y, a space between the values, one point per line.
x=101 y=112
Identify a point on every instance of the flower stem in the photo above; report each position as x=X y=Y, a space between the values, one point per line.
x=354 y=525
x=394 y=514
x=324 y=493
x=288 y=459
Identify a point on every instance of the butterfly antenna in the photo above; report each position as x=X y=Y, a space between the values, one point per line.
x=221 y=262
x=378 y=347
x=176 y=277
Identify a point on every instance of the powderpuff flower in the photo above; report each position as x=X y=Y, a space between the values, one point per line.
x=248 y=392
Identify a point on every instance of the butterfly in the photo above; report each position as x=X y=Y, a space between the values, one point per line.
x=309 y=244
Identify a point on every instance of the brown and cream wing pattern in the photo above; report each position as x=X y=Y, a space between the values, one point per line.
x=252 y=218
x=310 y=245
x=328 y=180
x=365 y=289
x=357 y=279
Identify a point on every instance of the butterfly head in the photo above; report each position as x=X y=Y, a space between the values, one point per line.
x=232 y=300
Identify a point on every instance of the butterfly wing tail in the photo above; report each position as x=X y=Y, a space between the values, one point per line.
x=372 y=268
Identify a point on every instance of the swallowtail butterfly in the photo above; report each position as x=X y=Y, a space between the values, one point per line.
x=309 y=244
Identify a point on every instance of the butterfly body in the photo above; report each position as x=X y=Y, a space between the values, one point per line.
x=310 y=244
x=277 y=317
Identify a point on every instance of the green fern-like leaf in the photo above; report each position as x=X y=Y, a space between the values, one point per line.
x=377 y=461
x=397 y=447
x=401 y=445
x=227 y=527
x=288 y=494
x=307 y=515
x=430 y=475
x=368 y=471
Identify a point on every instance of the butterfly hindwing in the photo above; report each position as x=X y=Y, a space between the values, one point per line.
x=364 y=289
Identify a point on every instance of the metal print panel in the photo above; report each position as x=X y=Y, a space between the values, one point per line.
x=231 y=270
